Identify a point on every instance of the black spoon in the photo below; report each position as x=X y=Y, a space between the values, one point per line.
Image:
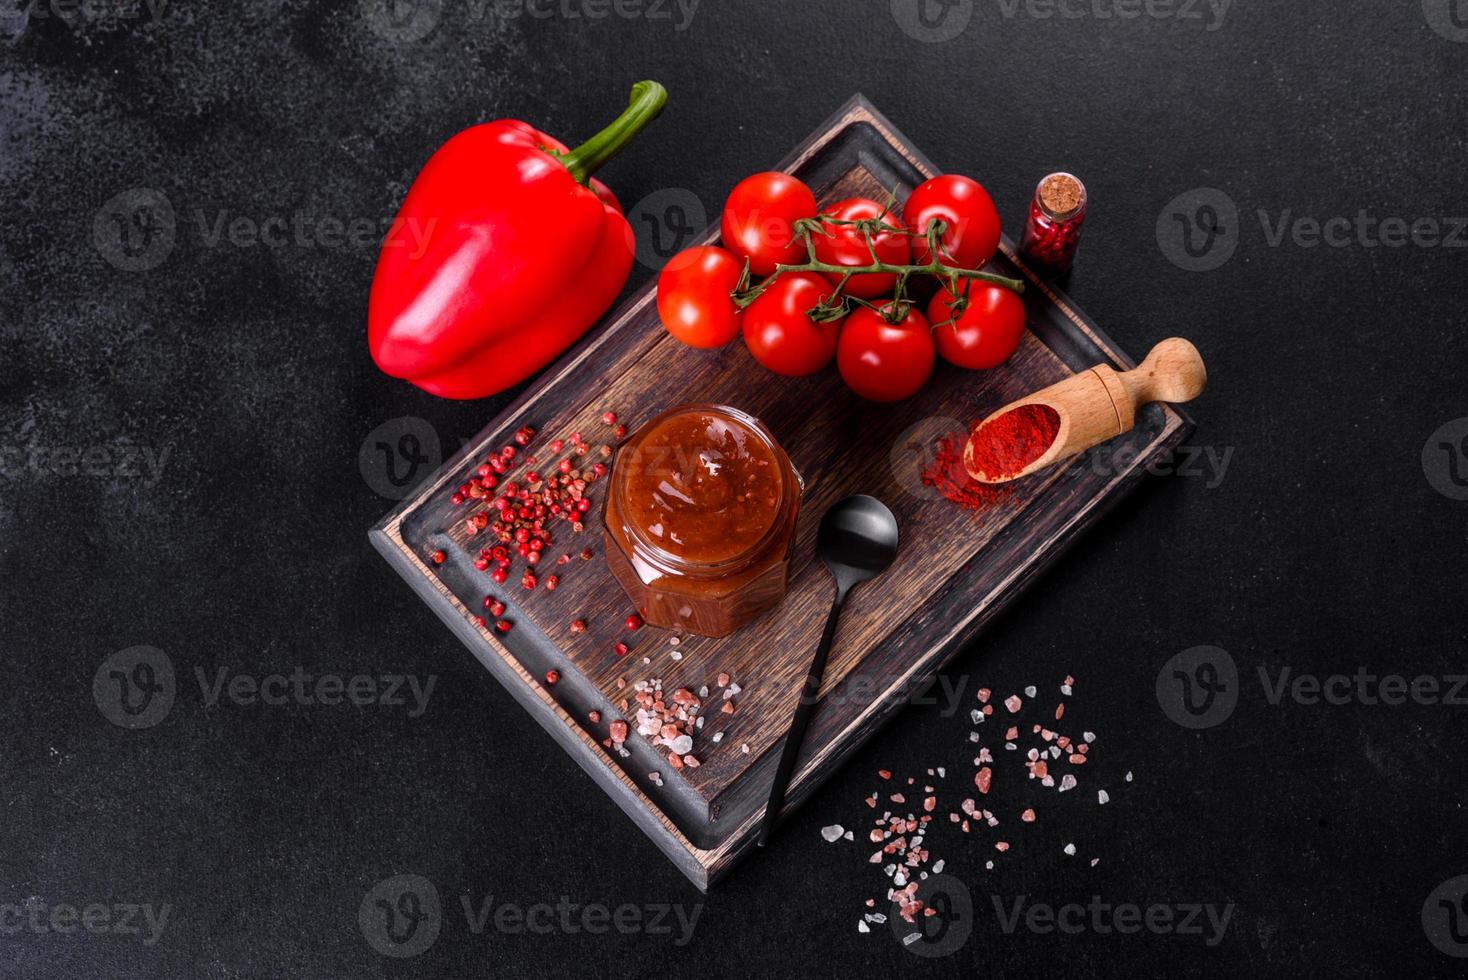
x=857 y=540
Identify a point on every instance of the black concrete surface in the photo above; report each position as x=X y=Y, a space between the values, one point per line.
x=182 y=421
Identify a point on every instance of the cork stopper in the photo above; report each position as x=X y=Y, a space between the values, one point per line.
x=1061 y=195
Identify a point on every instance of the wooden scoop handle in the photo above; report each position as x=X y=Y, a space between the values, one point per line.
x=1173 y=372
x=1100 y=403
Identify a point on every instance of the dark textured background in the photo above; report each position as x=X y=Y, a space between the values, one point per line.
x=1324 y=547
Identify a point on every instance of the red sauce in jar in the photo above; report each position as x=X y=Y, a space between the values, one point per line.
x=700 y=519
x=702 y=486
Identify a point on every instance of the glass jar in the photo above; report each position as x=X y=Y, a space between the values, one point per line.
x=1053 y=228
x=700 y=519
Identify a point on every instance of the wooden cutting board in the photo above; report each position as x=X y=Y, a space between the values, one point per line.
x=955 y=570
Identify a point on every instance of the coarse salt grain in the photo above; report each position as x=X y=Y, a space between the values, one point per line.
x=1103 y=797
x=1070 y=849
x=1013 y=703
x=833 y=832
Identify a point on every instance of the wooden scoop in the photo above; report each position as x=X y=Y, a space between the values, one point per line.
x=1102 y=403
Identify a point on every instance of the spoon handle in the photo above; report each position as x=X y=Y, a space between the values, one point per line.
x=803 y=711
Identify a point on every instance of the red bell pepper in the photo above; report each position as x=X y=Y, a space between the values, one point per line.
x=504 y=252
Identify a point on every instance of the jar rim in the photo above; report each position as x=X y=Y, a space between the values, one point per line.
x=665 y=560
x=1065 y=215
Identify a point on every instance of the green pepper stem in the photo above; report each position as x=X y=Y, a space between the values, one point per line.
x=648 y=99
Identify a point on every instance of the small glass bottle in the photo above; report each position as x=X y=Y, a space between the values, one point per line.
x=1053 y=229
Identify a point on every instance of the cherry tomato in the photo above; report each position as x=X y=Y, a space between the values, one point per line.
x=779 y=333
x=693 y=296
x=846 y=245
x=885 y=362
x=986 y=333
x=758 y=219
x=972 y=236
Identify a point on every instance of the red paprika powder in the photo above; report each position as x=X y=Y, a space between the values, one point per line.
x=947 y=475
x=1005 y=445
